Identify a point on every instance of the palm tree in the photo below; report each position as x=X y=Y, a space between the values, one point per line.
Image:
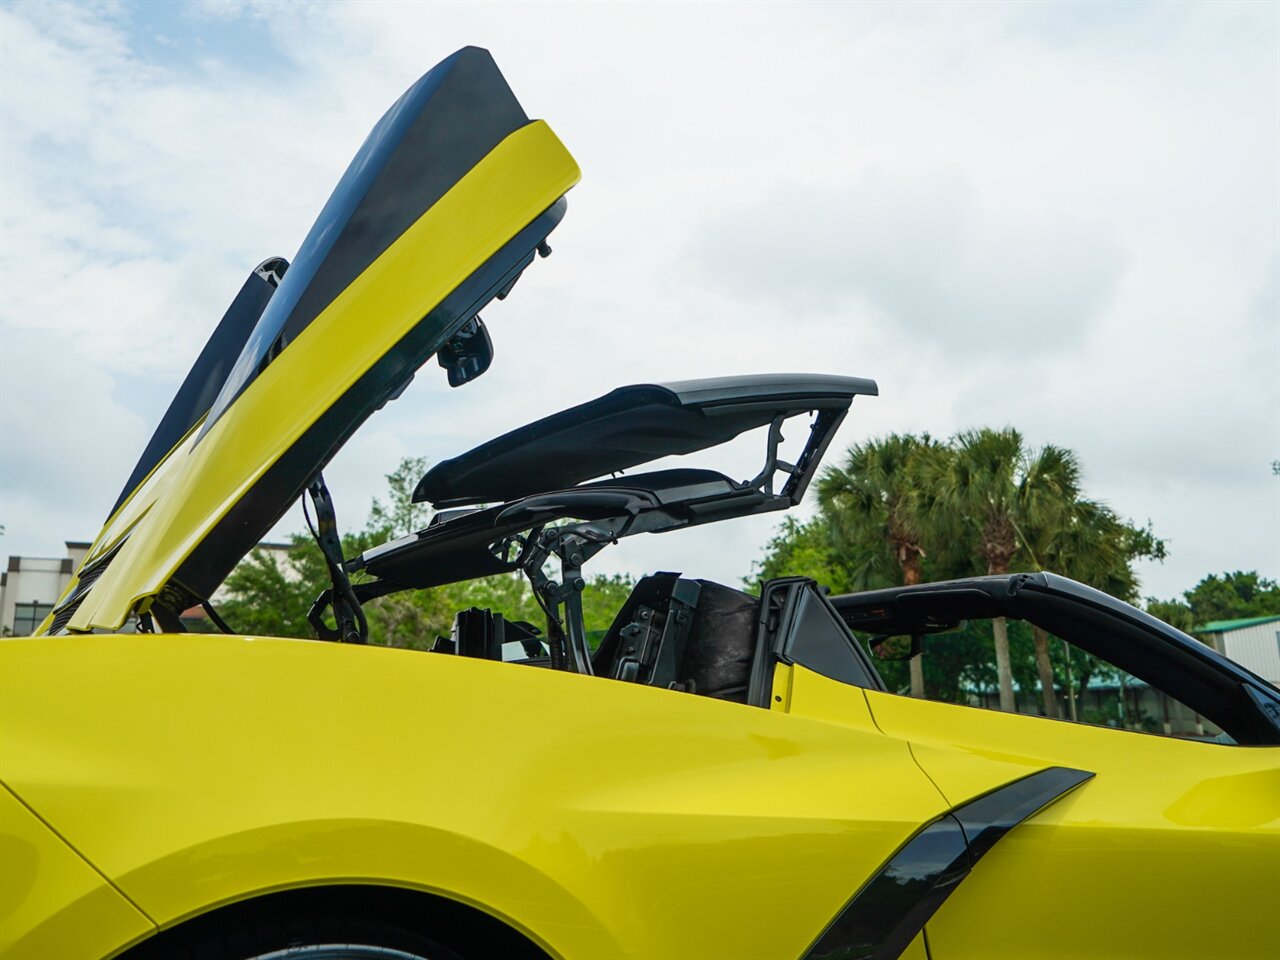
x=879 y=498
x=1089 y=543
x=994 y=488
x=1051 y=536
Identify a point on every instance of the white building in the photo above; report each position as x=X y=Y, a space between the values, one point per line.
x=1252 y=642
x=30 y=586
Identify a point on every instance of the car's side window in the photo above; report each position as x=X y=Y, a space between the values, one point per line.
x=1050 y=678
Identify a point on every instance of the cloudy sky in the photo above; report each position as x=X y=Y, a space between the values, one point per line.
x=1065 y=218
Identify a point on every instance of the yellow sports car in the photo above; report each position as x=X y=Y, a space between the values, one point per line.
x=723 y=776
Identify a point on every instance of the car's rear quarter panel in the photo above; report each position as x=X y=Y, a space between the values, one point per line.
x=1171 y=850
x=602 y=819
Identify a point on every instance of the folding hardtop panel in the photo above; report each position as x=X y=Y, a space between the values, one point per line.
x=629 y=426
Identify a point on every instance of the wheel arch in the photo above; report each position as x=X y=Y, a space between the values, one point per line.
x=462 y=927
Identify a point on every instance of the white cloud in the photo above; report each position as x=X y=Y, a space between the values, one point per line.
x=927 y=257
x=68 y=443
x=1065 y=217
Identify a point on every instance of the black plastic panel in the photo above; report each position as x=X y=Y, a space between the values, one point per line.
x=988 y=818
x=893 y=906
x=205 y=379
x=816 y=639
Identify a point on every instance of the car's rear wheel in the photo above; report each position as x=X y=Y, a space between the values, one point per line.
x=341 y=922
x=300 y=936
x=342 y=951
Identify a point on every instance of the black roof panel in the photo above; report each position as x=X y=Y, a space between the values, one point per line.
x=629 y=426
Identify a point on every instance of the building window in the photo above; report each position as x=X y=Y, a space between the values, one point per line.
x=28 y=616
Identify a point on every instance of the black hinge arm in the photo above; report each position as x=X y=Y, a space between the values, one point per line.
x=352 y=626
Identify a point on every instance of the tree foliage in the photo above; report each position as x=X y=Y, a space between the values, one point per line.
x=804 y=549
x=881 y=500
x=1007 y=497
x=400 y=516
x=1227 y=596
x=270 y=598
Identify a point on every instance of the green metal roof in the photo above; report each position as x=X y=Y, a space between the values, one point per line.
x=1222 y=626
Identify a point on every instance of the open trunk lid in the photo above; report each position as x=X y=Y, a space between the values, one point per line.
x=445 y=203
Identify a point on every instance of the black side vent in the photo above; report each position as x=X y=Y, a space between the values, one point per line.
x=64 y=616
x=88 y=577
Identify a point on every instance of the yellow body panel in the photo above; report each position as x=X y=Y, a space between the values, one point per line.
x=143 y=497
x=53 y=905
x=1172 y=850
x=131 y=511
x=189 y=493
x=916 y=949
x=603 y=819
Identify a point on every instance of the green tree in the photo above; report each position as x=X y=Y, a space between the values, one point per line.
x=1089 y=543
x=991 y=490
x=268 y=596
x=802 y=549
x=1176 y=613
x=1228 y=596
x=601 y=601
x=880 y=500
x=1232 y=596
x=400 y=516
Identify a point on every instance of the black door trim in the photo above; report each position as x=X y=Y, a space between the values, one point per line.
x=893 y=906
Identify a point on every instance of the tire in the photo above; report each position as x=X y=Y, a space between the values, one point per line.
x=295 y=936
x=338 y=951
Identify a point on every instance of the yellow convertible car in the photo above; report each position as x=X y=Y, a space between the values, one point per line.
x=723 y=775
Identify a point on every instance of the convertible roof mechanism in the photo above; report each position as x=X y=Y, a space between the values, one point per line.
x=536 y=472
x=546 y=508
x=629 y=426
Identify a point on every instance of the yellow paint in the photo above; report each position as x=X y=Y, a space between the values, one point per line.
x=503 y=193
x=130 y=512
x=916 y=949
x=813 y=695
x=1172 y=850
x=53 y=904
x=604 y=819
